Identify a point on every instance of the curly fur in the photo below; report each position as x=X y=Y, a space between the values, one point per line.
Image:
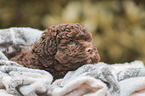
x=60 y=49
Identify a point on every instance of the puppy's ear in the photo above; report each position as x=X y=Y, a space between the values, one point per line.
x=46 y=47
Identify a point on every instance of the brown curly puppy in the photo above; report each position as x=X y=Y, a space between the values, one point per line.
x=61 y=48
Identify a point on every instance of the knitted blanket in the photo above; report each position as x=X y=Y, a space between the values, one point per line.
x=16 y=40
x=89 y=80
x=100 y=79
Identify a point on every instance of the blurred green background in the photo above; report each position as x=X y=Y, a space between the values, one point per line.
x=118 y=26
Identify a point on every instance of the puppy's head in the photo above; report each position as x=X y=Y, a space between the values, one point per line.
x=69 y=45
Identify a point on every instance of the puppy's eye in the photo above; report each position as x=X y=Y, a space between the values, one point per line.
x=71 y=43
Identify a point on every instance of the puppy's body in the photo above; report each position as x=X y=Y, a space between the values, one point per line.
x=61 y=48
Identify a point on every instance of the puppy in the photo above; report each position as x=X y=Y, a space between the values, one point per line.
x=61 y=48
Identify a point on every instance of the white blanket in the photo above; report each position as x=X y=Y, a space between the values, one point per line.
x=89 y=80
x=17 y=39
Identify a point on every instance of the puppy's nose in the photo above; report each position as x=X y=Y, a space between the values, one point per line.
x=89 y=50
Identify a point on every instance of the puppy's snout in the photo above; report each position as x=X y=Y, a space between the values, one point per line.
x=89 y=50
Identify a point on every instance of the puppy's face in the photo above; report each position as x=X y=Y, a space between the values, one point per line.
x=75 y=46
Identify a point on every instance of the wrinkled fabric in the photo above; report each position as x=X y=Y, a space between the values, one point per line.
x=17 y=39
x=18 y=80
x=19 y=35
x=93 y=77
x=89 y=80
x=2 y=56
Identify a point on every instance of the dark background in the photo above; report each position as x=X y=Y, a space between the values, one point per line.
x=118 y=26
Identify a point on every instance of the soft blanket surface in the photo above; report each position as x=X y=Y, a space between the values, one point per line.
x=89 y=80
x=100 y=79
x=17 y=39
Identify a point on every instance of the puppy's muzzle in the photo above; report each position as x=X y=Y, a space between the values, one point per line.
x=93 y=54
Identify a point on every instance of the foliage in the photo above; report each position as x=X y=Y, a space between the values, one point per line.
x=118 y=26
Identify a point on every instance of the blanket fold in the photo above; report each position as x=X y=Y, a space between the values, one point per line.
x=18 y=80
x=89 y=80
x=15 y=40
